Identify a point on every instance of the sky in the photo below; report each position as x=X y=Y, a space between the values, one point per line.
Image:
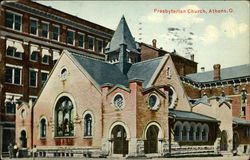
x=213 y=38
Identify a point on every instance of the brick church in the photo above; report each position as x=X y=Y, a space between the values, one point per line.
x=124 y=106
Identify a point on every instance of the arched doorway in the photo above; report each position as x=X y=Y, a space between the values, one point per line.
x=223 y=142
x=151 y=142
x=120 y=144
x=23 y=139
x=235 y=141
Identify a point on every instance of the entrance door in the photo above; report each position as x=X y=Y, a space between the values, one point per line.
x=151 y=143
x=119 y=140
x=223 y=142
x=23 y=139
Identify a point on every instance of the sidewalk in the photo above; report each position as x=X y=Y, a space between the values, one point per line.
x=196 y=158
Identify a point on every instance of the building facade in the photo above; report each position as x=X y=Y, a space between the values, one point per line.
x=32 y=37
x=234 y=83
x=122 y=107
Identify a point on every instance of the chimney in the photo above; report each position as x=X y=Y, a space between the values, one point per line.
x=217 y=72
x=154 y=43
x=202 y=69
x=192 y=57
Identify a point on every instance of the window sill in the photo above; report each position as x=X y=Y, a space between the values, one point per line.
x=14 y=29
x=14 y=57
x=55 y=40
x=34 y=34
x=45 y=63
x=13 y=84
x=33 y=86
x=33 y=60
x=10 y=114
x=66 y=137
x=70 y=44
x=42 y=138
x=87 y=137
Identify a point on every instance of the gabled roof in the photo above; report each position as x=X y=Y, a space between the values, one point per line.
x=184 y=115
x=105 y=73
x=226 y=73
x=101 y=71
x=122 y=35
x=144 y=70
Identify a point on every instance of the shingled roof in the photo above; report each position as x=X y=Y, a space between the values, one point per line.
x=226 y=73
x=122 y=35
x=105 y=73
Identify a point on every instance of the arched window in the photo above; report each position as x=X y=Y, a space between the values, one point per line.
x=43 y=128
x=88 y=125
x=64 y=117
x=198 y=132
x=191 y=133
x=205 y=132
x=177 y=131
x=184 y=133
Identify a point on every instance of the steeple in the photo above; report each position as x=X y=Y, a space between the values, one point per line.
x=122 y=35
x=122 y=47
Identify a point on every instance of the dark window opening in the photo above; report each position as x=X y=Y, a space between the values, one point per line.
x=45 y=30
x=33 y=26
x=70 y=37
x=88 y=125
x=33 y=78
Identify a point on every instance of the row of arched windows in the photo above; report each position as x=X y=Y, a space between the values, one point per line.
x=64 y=124
x=190 y=131
x=87 y=128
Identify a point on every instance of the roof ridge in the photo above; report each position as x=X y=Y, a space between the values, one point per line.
x=220 y=69
x=103 y=61
x=148 y=60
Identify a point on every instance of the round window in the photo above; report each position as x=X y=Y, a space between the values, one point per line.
x=64 y=73
x=153 y=102
x=118 y=101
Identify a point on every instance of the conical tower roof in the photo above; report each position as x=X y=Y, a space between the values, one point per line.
x=122 y=35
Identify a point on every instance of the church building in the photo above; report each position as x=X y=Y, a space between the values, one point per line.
x=122 y=107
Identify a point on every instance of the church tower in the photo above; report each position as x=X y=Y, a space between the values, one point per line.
x=122 y=49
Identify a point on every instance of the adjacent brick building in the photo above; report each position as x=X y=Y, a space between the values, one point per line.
x=32 y=37
x=183 y=65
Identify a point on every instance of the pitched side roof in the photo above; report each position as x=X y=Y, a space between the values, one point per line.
x=122 y=35
x=101 y=71
x=241 y=121
x=184 y=115
x=226 y=73
x=144 y=70
x=105 y=73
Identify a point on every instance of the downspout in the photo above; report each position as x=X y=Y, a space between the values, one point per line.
x=32 y=125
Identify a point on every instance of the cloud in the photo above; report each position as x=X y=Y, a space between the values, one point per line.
x=211 y=35
x=186 y=18
x=231 y=28
x=153 y=18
